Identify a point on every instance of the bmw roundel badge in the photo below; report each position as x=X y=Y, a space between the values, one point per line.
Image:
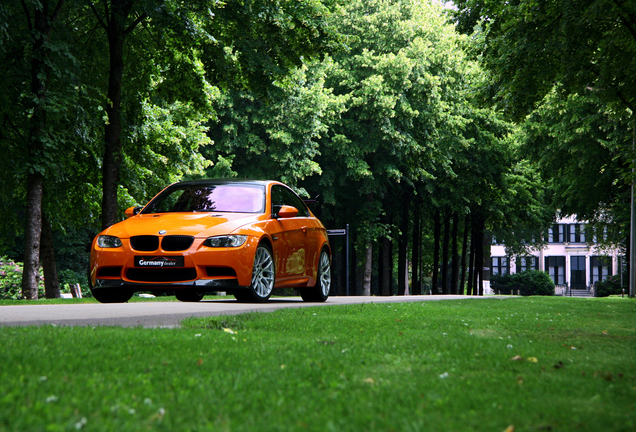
x=162 y=232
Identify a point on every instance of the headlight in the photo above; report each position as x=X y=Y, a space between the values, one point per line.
x=225 y=241
x=105 y=241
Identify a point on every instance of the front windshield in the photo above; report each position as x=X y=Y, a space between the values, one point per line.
x=230 y=198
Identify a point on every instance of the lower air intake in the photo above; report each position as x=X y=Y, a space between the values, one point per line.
x=161 y=275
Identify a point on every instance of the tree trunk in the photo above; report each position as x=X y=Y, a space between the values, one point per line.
x=471 y=266
x=455 y=256
x=486 y=271
x=403 y=281
x=385 y=266
x=385 y=269
x=479 y=255
x=368 y=267
x=475 y=275
x=41 y=29
x=116 y=31
x=445 y=288
x=33 y=230
x=437 y=227
x=51 y=281
x=357 y=275
x=416 y=288
x=465 y=249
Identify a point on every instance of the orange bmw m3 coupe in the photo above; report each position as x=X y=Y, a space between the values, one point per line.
x=245 y=237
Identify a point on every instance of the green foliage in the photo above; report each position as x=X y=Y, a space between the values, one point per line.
x=275 y=139
x=527 y=283
x=526 y=42
x=576 y=116
x=68 y=277
x=582 y=150
x=611 y=286
x=11 y=280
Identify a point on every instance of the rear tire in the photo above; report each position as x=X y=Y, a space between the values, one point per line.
x=263 y=277
x=320 y=291
x=189 y=295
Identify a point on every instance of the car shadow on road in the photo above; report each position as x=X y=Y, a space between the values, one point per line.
x=271 y=300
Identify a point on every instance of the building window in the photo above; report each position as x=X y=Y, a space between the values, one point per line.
x=601 y=268
x=556 y=269
x=527 y=263
x=577 y=233
x=556 y=233
x=499 y=265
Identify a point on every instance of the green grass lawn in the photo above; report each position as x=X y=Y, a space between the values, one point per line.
x=538 y=364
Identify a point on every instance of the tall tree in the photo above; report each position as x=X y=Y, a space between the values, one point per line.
x=524 y=46
x=249 y=43
x=29 y=111
x=526 y=42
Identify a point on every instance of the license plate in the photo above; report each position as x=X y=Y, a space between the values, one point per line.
x=159 y=261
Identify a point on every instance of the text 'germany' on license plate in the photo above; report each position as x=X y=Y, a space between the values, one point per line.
x=159 y=261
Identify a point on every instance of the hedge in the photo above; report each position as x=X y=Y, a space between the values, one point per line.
x=527 y=283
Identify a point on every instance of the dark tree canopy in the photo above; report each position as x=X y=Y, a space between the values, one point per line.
x=586 y=45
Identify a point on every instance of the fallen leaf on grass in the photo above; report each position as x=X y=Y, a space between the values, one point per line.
x=517 y=358
x=510 y=428
x=200 y=362
x=368 y=381
x=533 y=360
x=228 y=330
x=607 y=376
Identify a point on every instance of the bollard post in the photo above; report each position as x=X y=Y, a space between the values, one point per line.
x=76 y=290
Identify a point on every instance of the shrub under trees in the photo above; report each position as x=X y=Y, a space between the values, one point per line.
x=527 y=283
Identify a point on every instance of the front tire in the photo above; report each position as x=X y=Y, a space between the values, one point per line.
x=189 y=295
x=263 y=277
x=320 y=291
x=108 y=295
x=112 y=295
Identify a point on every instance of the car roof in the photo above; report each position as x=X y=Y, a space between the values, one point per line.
x=222 y=181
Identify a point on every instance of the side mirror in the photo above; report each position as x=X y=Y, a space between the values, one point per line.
x=287 y=212
x=132 y=211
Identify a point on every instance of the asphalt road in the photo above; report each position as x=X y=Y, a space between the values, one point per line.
x=169 y=314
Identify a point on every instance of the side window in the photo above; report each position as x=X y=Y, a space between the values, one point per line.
x=277 y=198
x=292 y=199
x=283 y=196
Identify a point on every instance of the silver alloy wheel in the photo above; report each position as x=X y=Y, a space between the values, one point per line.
x=263 y=272
x=324 y=271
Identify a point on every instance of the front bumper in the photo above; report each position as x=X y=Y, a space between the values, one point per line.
x=211 y=284
x=201 y=267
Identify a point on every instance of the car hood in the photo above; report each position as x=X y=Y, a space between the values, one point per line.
x=193 y=224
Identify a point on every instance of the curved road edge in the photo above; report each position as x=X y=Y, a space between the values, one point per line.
x=170 y=314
